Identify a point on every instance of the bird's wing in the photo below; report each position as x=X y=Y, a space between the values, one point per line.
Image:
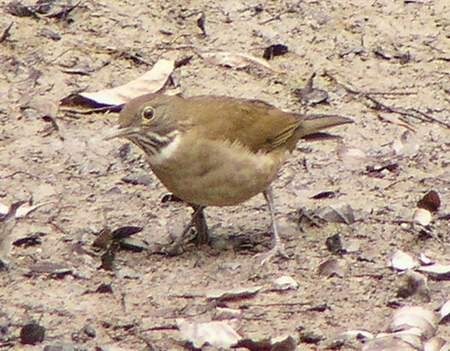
x=252 y=123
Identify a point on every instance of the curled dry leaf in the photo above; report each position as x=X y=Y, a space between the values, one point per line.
x=281 y=343
x=22 y=210
x=406 y=145
x=417 y=317
x=25 y=210
x=387 y=343
x=425 y=260
x=331 y=267
x=436 y=270
x=342 y=213
x=226 y=313
x=239 y=293
x=150 y=82
x=4 y=209
x=402 y=261
x=285 y=282
x=310 y=95
x=352 y=157
x=436 y=343
x=444 y=311
x=422 y=216
x=218 y=334
x=234 y=60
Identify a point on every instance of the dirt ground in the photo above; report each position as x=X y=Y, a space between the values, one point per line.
x=398 y=52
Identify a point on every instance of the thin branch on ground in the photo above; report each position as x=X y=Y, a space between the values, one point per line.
x=380 y=106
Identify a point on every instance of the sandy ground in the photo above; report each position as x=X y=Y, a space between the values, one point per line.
x=397 y=51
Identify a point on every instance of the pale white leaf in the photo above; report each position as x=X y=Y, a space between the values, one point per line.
x=285 y=282
x=387 y=343
x=418 y=317
x=234 y=60
x=406 y=145
x=216 y=333
x=150 y=82
x=4 y=209
x=436 y=269
x=402 y=261
x=436 y=343
x=25 y=210
x=444 y=311
x=233 y=294
x=425 y=260
x=422 y=216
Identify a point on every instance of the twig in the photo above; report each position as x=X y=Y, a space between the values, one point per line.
x=162 y=327
x=274 y=304
x=5 y=33
x=278 y=16
x=377 y=105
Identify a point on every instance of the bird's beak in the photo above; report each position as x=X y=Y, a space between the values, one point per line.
x=120 y=132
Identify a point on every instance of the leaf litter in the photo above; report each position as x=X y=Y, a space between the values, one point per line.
x=152 y=81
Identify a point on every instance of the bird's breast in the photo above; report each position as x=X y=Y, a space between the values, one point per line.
x=214 y=172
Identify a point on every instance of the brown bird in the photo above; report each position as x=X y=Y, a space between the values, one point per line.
x=217 y=150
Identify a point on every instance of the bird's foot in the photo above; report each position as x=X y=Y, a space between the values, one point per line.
x=173 y=249
x=276 y=251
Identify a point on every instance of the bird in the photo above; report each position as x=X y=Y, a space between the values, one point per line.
x=212 y=150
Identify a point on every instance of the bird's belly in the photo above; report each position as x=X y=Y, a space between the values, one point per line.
x=212 y=174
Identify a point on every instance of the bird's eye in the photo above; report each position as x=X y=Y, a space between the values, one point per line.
x=147 y=113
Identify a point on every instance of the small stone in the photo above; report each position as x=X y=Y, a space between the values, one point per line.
x=89 y=331
x=138 y=179
x=32 y=333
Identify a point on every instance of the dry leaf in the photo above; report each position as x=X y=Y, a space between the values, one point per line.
x=25 y=210
x=216 y=333
x=436 y=344
x=407 y=145
x=352 y=157
x=285 y=282
x=402 y=261
x=331 y=267
x=444 y=311
x=342 y=213
x=150 y=82
x=4 y=209
x=281 y=343
x=422 y=216
x=437 y=270
x=237 y=293
x=387 y=343
x=234 y=60
x=227 y=313
x=406 y=318
x=425 y=260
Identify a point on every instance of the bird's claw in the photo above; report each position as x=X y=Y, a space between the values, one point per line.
x=277 y=250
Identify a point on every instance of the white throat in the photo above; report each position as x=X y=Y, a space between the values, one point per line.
x=166 y=152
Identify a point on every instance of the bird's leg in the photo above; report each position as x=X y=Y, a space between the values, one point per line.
x=278 y=247
x=199 y=222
